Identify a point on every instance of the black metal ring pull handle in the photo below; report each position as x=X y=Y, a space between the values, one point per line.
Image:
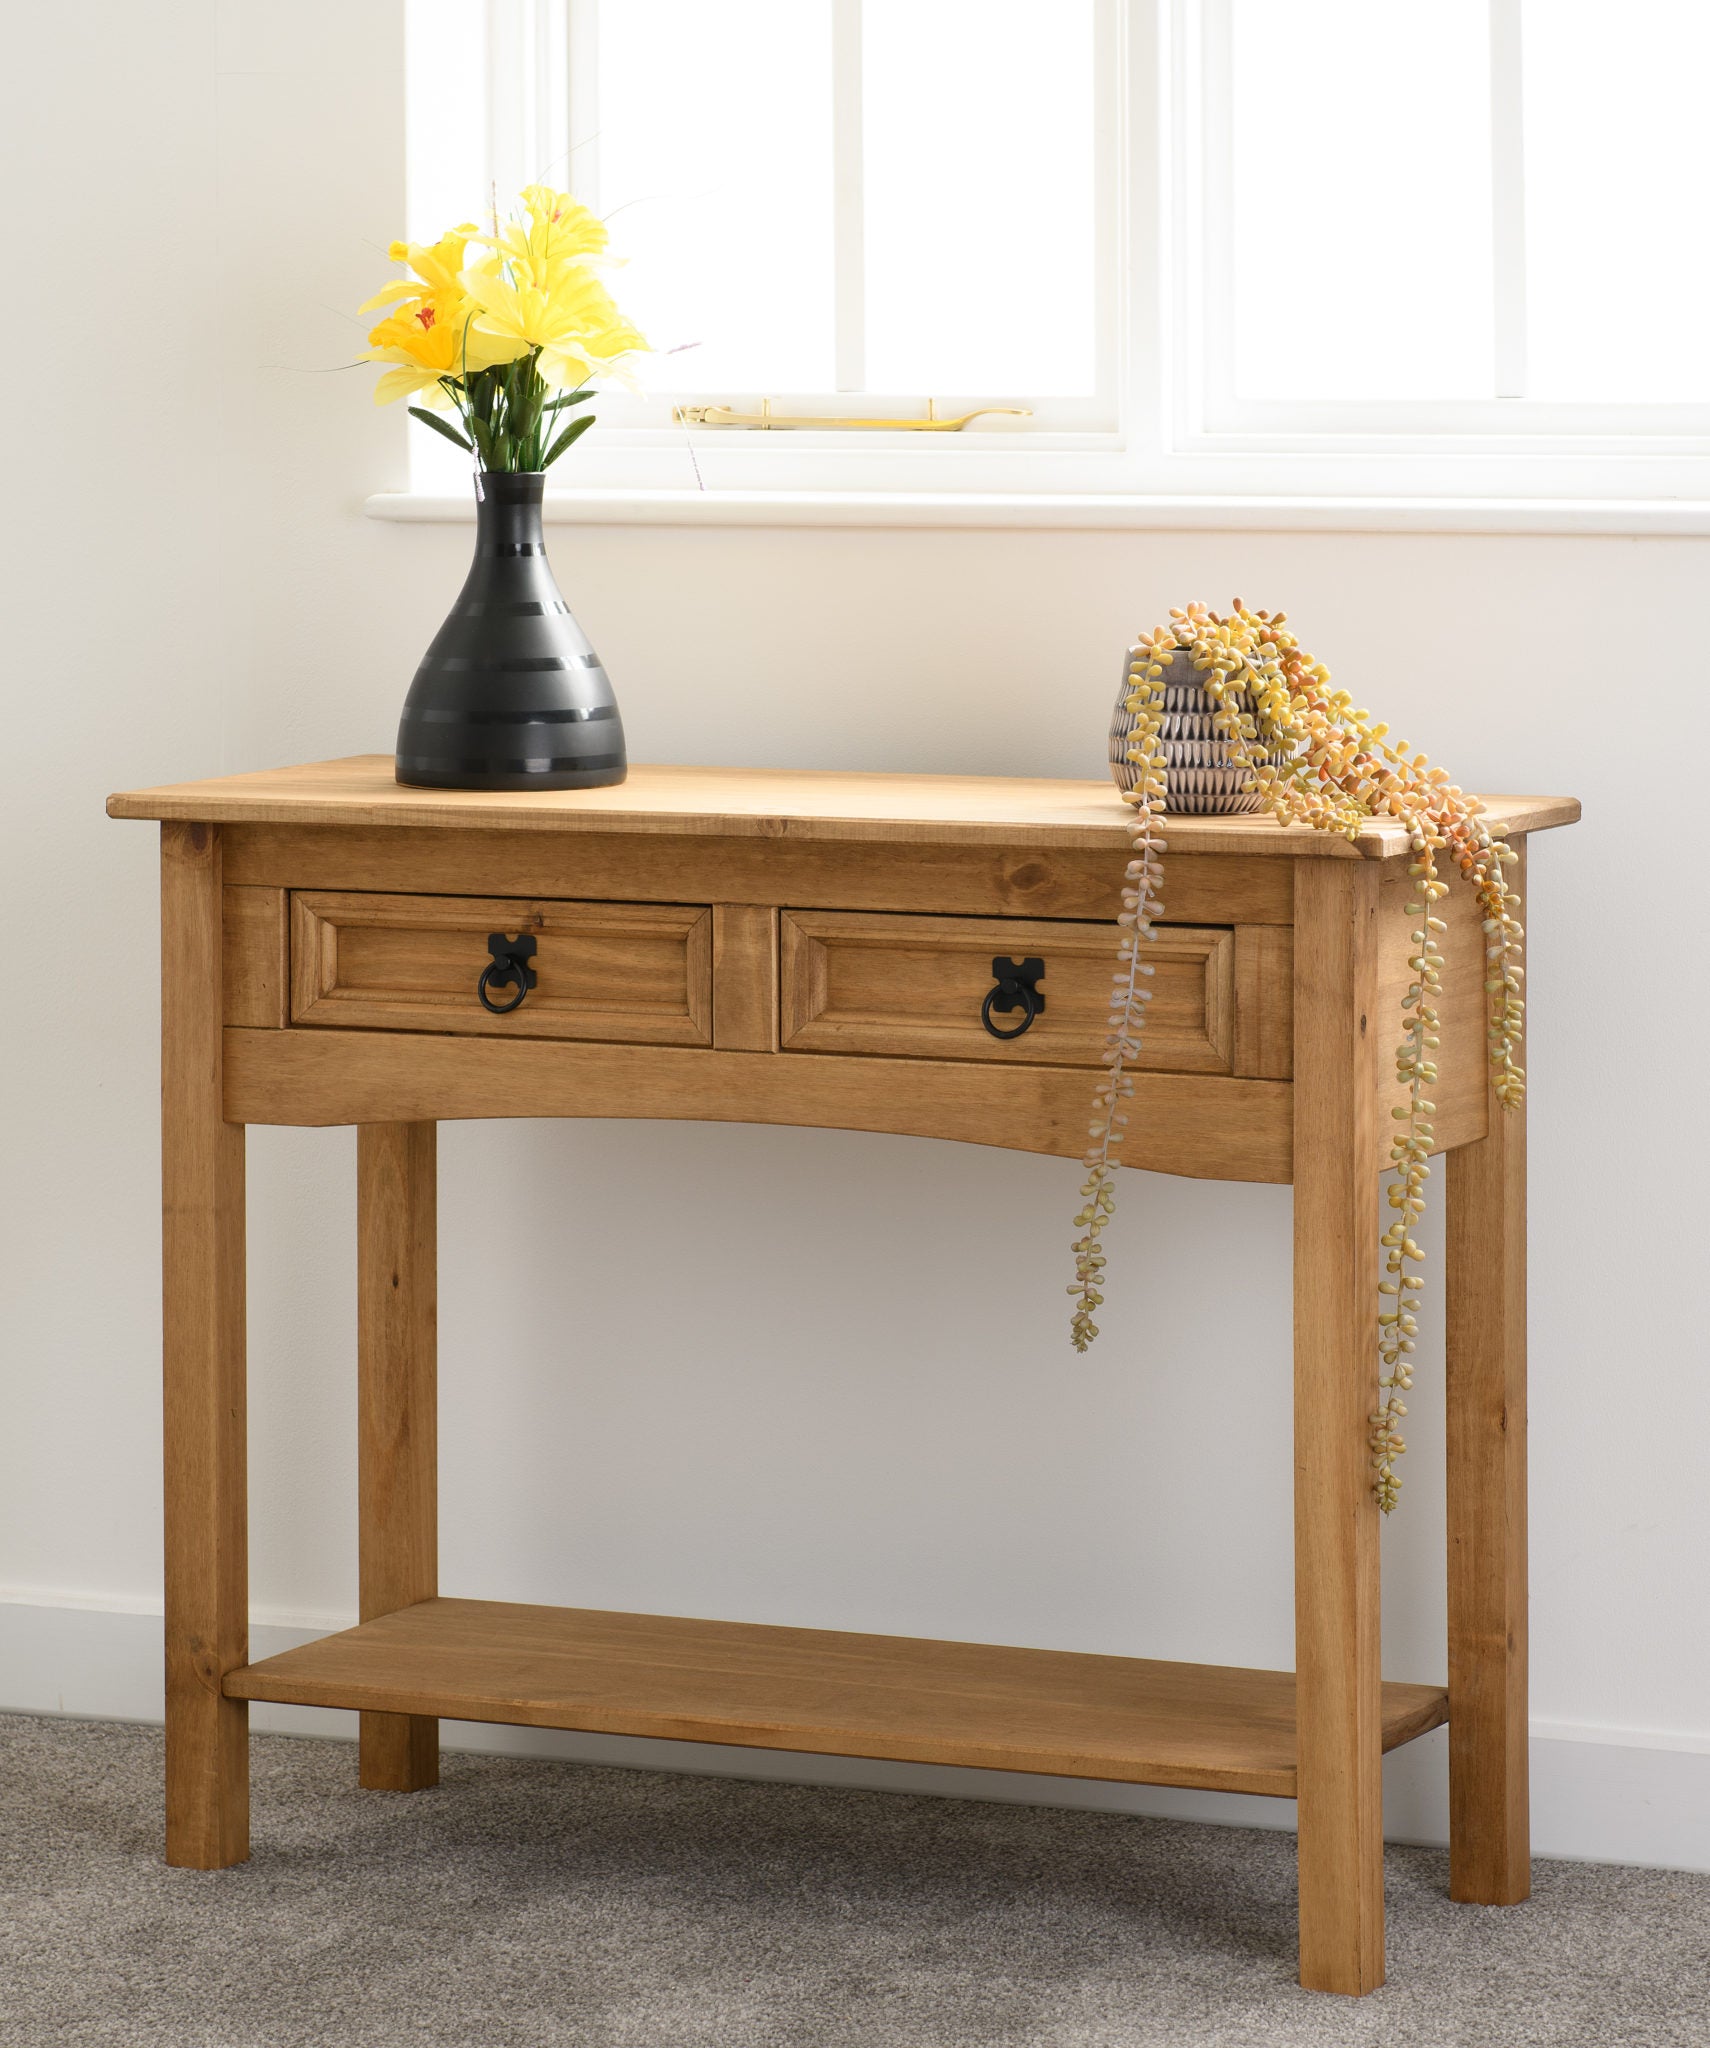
x=508 y=964
x=1016 y=988
x=504 y=974
x=1029 y=1003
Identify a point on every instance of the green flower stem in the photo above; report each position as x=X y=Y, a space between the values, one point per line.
x=509 y=414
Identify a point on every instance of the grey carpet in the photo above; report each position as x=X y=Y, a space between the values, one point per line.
x=545 y=1905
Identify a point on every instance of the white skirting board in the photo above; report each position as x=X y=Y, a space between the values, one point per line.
x=1606 y=1795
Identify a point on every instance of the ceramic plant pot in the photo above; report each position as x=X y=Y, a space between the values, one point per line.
x=1201 y=779
x=510 y=695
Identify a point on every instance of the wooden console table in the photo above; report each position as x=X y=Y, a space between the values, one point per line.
x=815 y=949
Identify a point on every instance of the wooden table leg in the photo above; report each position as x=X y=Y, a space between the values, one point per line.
x=206 y=1512
x=1338 y=1161
x=397 y=1416
x=1489 y=1819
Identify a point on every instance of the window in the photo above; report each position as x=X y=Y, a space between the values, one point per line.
x=1469 y=217
x=1186 y=247
x=838 y=197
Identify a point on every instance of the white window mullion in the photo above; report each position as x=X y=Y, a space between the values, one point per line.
x=1208 y=216
x=528 y=125
x=582 y=99
x=1508 y=197
x=1113 y=218
x=447 y=112
x=849 y=202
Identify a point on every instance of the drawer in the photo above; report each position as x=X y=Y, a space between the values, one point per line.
x=913 y=986
x=639 y=973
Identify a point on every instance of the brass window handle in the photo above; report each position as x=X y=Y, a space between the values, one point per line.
x=726 y=416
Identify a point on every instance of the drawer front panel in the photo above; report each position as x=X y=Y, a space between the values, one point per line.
x=633 y=973
x=913 y=986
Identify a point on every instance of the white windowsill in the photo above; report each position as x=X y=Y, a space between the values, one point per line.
x=1078 y=512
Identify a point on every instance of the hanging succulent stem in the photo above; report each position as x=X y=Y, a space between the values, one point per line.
x=1129 y=995
x=1315 y=759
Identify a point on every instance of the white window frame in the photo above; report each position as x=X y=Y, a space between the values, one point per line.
x=1081 y=421
x=536 y=118
x=1506 y=445
x=1172 y=431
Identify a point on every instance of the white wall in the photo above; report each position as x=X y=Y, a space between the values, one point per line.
x=785 y=1376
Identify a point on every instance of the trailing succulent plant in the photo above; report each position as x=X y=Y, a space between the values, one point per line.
x=1310 y=757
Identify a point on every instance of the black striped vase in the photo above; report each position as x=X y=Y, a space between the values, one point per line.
x=510 y=695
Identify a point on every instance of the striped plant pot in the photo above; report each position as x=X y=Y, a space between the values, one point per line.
x=1200 y=779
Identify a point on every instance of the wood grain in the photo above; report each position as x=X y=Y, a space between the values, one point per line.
x=912 y=987
x=1459 y=1091
x=776 y=804
x=1207 y=1126
x=994 y=881
x=745 y=977
x=637 y=973
x=1489 y=1811
x=257 y=957
x=1337 y=1170
x=202 y=1205
x=397 y=1323
x=1059 y=1712
x=1264 y=1001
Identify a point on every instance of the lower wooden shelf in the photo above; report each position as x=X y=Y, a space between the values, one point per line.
x=1057 y=1712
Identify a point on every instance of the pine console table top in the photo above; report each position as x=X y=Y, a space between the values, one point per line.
x=775 y=803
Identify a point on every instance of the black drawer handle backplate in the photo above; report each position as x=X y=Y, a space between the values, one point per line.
x=1016 y=988
x=509 y=965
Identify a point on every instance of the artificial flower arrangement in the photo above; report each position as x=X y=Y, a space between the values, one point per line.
x=499 y=334
x=1309 y=757
x=507 y=329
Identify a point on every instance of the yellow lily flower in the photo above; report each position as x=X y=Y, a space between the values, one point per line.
x=572 y=321
x=436 y=266
x=527 y=290
x=428 y=333
x=558 y=230
x=430 y=339
x=424 y=347
x=598 y=350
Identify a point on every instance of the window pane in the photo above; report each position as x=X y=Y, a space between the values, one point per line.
x=1360 y=160
x=978 y=140
x=1617 y=170
x=714 y=152
x=445 y=129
